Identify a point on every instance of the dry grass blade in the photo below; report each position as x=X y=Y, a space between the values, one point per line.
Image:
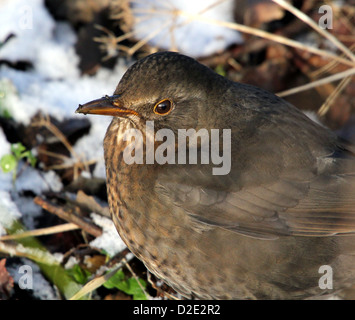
x=327 y=104
x=211 y=6
x=69 y=165
x=335 y=77
x=299 y=14
x=41 y=232
x=95 y=283
x=54 y=155
x=267 y=35
x=135 y=276
x=55 y=131
x=100 y=280
x=141 y=43
x=174 y=13
x=328 y=67
x=79 y=164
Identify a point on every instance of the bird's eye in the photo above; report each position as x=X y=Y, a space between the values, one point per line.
x=163 y=107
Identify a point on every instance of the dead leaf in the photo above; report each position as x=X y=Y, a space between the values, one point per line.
x=6 y=281
x=262 y=12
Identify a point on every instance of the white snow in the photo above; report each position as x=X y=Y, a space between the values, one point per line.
x=33 y=180
x=8 y=211
x=189 y=36
x=110 y=241
x=29 y=210
x=31 y=25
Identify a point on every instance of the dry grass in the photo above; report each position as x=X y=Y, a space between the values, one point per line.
x=123 y=12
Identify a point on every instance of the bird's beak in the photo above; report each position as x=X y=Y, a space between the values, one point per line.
x=107 y=106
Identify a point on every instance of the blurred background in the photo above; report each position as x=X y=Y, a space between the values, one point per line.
x=56 y=54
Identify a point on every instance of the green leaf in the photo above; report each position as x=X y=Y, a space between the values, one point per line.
x=79 y=274
x=140 y=296
x=5 y=113
x=116 y=278
x=30 y=157
x=7 y=90
x=8 y=163
x=17 y=149
x=129 y=286
x=135 y=289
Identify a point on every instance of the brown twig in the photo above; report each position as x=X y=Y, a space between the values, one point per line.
x=90 y=203
x=69 y=216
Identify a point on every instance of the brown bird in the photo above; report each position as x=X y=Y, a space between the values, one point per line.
x=265 y=211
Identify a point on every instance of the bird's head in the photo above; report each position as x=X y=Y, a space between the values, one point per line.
x=168 y=88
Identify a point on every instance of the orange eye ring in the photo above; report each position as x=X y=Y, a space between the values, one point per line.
x=163 y=107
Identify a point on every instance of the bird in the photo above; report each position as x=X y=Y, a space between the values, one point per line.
x=276 y=218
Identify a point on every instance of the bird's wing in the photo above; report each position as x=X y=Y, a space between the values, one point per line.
x=321 y=207
x=256 y=211
x=288 y=178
